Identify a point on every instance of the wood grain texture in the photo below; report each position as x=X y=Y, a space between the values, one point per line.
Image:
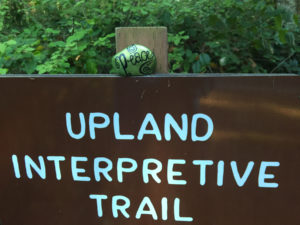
x=154 y=38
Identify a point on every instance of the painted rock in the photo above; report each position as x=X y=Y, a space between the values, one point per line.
x=134 y=60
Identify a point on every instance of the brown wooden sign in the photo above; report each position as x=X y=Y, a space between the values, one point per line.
x=150 y=150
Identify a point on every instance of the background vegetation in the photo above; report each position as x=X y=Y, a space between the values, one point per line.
x=77 y=36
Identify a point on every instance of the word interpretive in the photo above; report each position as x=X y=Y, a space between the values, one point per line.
x=150 y=168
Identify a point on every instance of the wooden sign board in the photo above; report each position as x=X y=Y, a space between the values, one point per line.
x=150 y=150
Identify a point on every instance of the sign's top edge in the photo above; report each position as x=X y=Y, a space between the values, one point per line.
x=145 y=27
x=186 y=75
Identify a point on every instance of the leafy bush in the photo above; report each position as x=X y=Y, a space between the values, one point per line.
x=77 y=36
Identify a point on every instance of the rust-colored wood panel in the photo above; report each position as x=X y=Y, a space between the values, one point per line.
x=256 y=119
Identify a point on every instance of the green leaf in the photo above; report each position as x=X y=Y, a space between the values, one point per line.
x=57 y=44
x=143 y=12
x=296 y=19
x=188 y=53
x=260 y=5
x=11 y=42
x=186 y=67
x=3 y=71
x=52 y=31
x=215 y=22
x=44 y=68
x=110 y=35
x=91 y=21
x=79 y=3
x=166 y=18
x=177 y=41
x=30 y=67
x=78 y=35
x=2 y=48
x=190 y=56
x=91 y=66
x=28 y=49
x=204 y=59
x=104 y=41
x=223 y=61
x=290 y=39
x=196 y=67
x=278 y=22
x=281 y=35
x=201 y=64
x=126 y=8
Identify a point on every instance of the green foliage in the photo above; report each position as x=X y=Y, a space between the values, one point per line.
x=77 y=36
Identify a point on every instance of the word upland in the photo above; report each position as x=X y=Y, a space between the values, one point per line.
x=182 y=128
